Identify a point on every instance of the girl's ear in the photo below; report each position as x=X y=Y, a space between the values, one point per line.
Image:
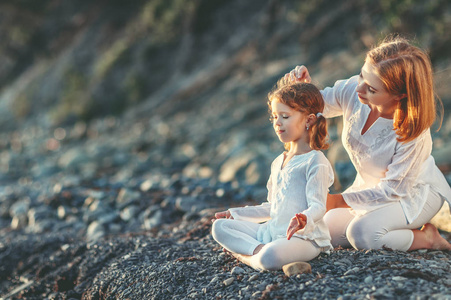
x=310 y=119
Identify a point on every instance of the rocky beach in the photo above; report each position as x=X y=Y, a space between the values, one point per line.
x=124 y=128
x=136 y=232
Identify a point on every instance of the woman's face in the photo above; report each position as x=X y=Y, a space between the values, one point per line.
x=371 y=91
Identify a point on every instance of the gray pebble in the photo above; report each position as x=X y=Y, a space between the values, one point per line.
x=228 y=281
x=369 y=279
x=237 y=271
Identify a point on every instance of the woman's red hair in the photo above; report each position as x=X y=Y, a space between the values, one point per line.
x=406 y=70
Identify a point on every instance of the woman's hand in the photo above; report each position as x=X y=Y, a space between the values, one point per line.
x=297 y=223
x=335 y=201
x=223 y=215
x=298 y=74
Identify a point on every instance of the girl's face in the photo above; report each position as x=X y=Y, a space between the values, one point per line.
x=371 y=91
x=289 y=124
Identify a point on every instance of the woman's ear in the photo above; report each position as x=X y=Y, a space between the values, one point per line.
x=400 y=97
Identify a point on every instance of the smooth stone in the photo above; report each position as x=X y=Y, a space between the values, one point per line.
x=20 y=207
x=62 y=212
x=127 y=196
x=38 y=214
x=129 y=213
x=214 y=279
x=153 y=221
x=19 y=222
x=297 y=268
x=253 y=277
x=353 y=270
x=369 y=279
x=147 y=185
x=399 y=278
x=228 y=281
x=237 y=271
x=95 y=231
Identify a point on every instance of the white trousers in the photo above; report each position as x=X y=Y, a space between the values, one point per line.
x=386 y=226
x=241 y=237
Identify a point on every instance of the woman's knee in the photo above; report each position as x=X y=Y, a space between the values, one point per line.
x=362 y=236
x=337 y=220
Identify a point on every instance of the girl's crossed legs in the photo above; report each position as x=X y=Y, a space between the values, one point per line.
x=386 y=226
x=240 y=238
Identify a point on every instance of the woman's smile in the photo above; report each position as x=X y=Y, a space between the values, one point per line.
x=360 y=97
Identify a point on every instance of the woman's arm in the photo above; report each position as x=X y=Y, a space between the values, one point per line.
x=298 y=74
x=338 y=99
x=335 y=201
x=401 y=177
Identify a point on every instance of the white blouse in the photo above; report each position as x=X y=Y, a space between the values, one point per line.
x=387 y=170
x=300 y=187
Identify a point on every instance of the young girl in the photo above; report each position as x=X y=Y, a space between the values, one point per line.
x=297 y=189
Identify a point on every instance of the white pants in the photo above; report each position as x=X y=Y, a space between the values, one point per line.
x=386 y=226
x=241 y=237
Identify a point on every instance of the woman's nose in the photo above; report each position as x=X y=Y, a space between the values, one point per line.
x=360 y=87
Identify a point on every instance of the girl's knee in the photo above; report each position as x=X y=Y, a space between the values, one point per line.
x=267 y=259
x=217 y=229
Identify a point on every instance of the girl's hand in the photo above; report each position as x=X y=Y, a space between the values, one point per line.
x=297 y=223
x=223 y=215
x=298 y=74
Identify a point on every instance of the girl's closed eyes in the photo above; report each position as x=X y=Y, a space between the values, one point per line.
x=274 y=117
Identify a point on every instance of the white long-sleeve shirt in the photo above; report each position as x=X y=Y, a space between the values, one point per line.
x=300 y=187
x=387 y=170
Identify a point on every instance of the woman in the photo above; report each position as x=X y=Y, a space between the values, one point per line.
x=387 y=110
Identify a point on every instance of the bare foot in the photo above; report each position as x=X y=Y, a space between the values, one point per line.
x=434 y=237
x=245 y=259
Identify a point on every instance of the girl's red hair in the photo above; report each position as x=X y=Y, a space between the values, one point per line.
x=307 y=99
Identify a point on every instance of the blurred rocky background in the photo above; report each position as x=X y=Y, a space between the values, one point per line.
x=119 y=117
